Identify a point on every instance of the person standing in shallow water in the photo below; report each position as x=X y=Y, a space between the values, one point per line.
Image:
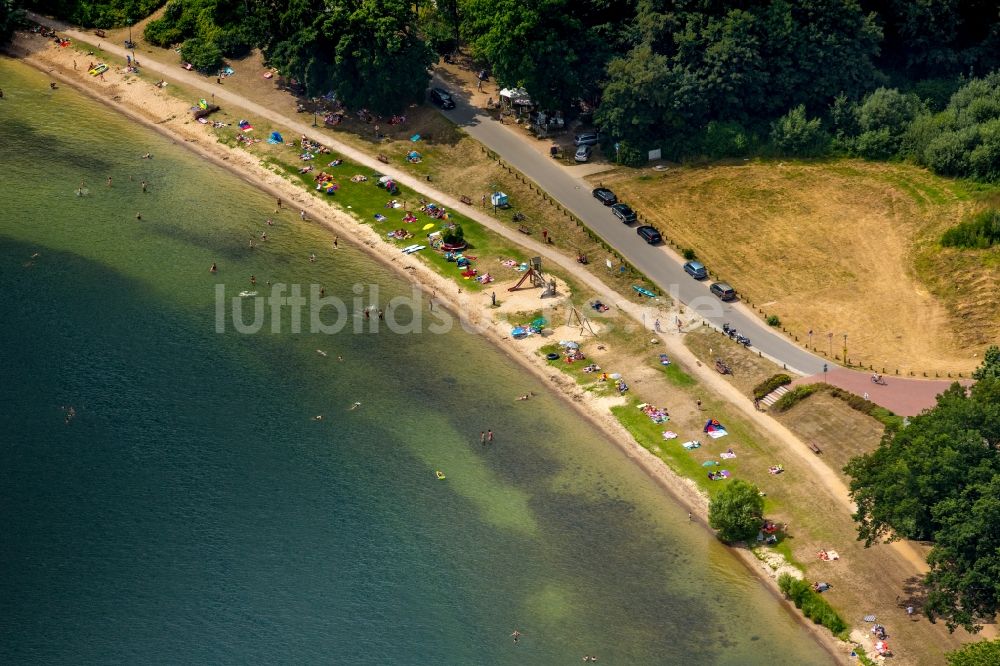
x=489 y=435
x=482 y=438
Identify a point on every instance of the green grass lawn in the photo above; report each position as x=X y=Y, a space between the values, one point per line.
x=364 y=200
x=676 y=376
x=684 y=462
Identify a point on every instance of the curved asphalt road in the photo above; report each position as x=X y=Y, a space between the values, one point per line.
x=660 y=264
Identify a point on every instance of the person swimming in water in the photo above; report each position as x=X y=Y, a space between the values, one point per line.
x=214 y=268
x=355 y=406
x=318 y=417
x=516 y=636
x=253 y=280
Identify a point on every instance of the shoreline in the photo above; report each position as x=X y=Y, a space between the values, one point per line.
x=474 y=307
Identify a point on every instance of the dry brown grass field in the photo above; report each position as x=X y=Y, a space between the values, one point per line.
x=838 y=247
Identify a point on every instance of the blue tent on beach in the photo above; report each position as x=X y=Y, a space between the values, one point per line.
x=275 y=138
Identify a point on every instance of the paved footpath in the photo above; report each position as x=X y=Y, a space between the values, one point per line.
x=906 y=397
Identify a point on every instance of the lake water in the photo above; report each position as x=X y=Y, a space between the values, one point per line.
x=194 y=511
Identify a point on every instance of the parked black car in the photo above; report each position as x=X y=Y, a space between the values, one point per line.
x=624 y=213
x=442 y=98
x=649 y=234
x=605 y=196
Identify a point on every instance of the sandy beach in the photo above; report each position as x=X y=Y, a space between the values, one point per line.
x=161 y=112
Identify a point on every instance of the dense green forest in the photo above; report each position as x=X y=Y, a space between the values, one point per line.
x=880 y=79
x=10 y=17
x=938 y=480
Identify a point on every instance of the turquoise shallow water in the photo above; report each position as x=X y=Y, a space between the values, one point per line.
x=194 y=511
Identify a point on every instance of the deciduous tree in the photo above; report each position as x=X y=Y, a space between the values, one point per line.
x=737 y=511
x=938 y=479
x=983 y=653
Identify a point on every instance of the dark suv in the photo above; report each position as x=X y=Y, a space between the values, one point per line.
x=723 y=290
x=442 y=98
x=649 y=234
x=605 y=196
x=624 y=213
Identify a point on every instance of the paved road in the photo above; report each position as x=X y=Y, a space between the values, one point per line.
x=660 y=264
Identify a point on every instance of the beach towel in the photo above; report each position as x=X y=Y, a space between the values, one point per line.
x=693 y=444
x=717 y=433
x=379 y=217
x=709 y=463
x=656 y=414
x=722 y=474
x=667 y=434
x=727 y=455
x=415 y=138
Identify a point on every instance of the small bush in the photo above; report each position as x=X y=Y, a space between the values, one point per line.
x=980 y=232
x=795 y=396
x=773 y=320
x=629 y=155
x=688 y=253
x=725 y=139
x=455 y=235
x=797 y=135
x=880 y=414
x=812 y=605
x=770 y=384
